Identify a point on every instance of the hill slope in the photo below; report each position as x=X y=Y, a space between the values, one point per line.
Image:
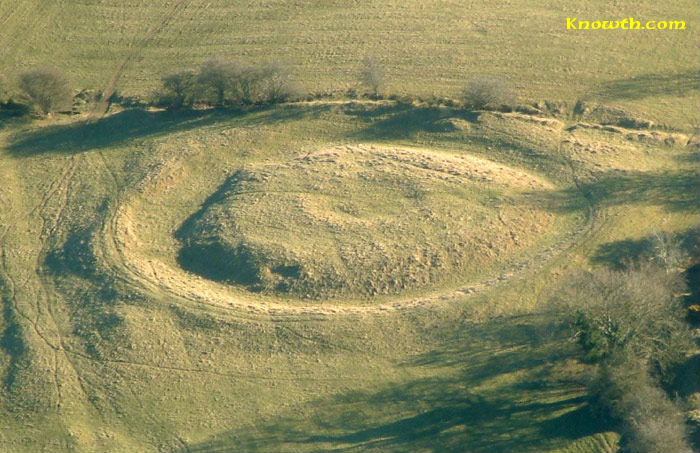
x=110 y=342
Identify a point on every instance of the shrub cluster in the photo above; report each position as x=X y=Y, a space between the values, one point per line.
x=488 y=93
x=650 y=421
x=231 y=82
x=222 y=82
x=630 y=324
x=46 y=89
x=634 y=310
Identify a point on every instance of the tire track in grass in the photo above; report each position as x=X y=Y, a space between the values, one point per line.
x=101 y=108
x=35 y=293
x=17 y=262
x=119 y=250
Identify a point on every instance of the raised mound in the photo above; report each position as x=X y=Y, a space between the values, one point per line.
x=362 y=221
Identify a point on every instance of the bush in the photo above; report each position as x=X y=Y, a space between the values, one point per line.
x=46 y=89
x=231 y=82
x=179 y=89
x=216 y=80
x=488 y=92
x=650 y=421
x=373 y=76
x=635 y=310
x=631 y=324
x=276 y=84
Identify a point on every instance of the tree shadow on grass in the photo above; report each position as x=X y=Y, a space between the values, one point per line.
x=650 y=85
x=678 y=191
x=476 y=407
x=133 y=124
x=622 y=254
x=13 y=114
x=402 y=121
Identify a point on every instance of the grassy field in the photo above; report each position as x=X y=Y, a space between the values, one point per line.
x=428 y=47
x=111 y=344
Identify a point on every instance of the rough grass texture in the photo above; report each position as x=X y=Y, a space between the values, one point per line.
x=427 y=47
x=109 y=345
x=363 y=220
x=136 y=353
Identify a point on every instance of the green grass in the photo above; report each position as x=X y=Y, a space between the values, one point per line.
x=136 y=367
x=362 y=220
x=108 y=345
x=428 y=47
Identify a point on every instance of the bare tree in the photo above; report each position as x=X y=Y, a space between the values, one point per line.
x=630 y=323
x=373 y=75
x=651 y=422
x=47 y=89
x=278 y=83
x=635 y=310
x=180 y=88
x=488 y=92
x=221 y=81
x=668 y=251
x=216 y=79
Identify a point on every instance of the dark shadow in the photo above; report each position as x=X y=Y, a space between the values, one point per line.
x=13 y=114
x=402 y=121
x=74 y=256
x=211 y=258
x=443 y=413
x=620 y=255
x=219 y=262
x=678 y=191
x=693 y=157
x=108 y=132
x=692 y=299
x=134 y=124
x=625 y=253
x=13 y=342
x=686 y=382
x=650 y=85
x=573 y=425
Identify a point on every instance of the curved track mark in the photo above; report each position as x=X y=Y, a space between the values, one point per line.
x=119 y=245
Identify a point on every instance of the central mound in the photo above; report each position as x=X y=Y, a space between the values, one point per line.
x=361 y=221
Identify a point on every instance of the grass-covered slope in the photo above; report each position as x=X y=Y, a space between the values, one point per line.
x=110 y=344
x=363 y=220
x=112 y=340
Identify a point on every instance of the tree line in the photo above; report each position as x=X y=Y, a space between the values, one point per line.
x=222 y=82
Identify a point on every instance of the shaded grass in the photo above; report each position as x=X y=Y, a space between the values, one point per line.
x=480 y=406
x=450 y=386
x=624 y=253
x=403 y=121
x=675 y=191
x=650 y=85
x=136 y=124
x=106 y=133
